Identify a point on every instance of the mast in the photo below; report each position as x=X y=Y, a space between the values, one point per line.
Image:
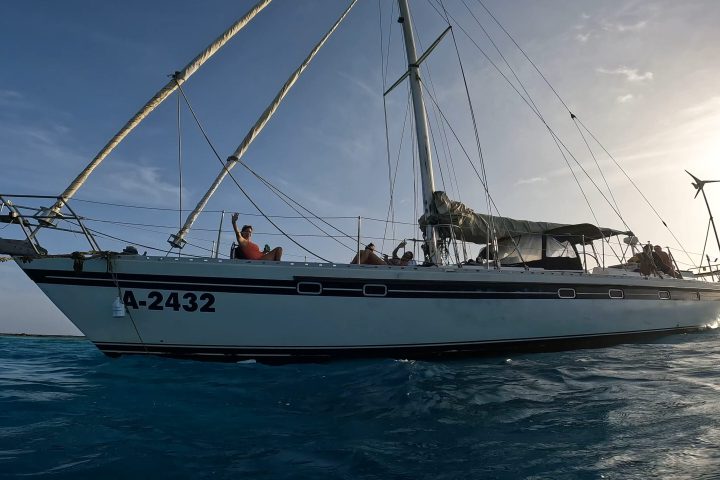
x=700 y=187
x=421 y=126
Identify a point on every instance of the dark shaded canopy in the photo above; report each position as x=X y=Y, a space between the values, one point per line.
x=476 y=227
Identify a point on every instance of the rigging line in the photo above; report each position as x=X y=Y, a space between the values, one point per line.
x=525 y=55
x=122 y=240
x=472 y=116
x=577 y=181
x=707 y=235
x=397 y=163
x=227 y=170
x=541 y=119
x=507 y=63
x=390 y=30
x=444 y=138
x=139 y=226
x=426 y=69
x=415 y=178
x=592 y=154
x=636 y=188
x=167 y=252
x=280 y=194
x=536 y=110
x=179 y=132
x=391 y=213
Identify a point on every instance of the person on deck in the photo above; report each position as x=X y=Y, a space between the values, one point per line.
x=249 y=249
x=405 y=260
x=647 y=264
x=662 y=261
x=368 y=257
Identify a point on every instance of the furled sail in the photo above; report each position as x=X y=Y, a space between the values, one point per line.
x=474 y=227
x=178 y=79
x=177 y=240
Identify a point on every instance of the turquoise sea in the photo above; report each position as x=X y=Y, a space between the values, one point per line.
x=628 y=412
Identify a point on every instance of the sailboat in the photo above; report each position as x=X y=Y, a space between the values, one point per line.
x=530 y=289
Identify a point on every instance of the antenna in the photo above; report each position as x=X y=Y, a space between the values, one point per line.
x=699 y=186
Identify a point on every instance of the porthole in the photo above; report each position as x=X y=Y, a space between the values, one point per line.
x=566 y=292
x=616 y=293
x=374 y=290
x=309 y=288
x=664 y=295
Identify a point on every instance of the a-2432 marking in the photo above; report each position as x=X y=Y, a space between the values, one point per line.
x=188 y=301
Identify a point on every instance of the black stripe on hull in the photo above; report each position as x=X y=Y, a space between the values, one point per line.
x=281 y=355
x=354 y=287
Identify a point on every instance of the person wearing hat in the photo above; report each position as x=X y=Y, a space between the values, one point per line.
x=368 y=257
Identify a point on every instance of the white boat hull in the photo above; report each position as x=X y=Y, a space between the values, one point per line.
x=237 y=309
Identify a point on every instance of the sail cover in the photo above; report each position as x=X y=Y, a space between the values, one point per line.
x=477 y=227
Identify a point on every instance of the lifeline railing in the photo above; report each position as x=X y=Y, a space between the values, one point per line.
x=41 y=218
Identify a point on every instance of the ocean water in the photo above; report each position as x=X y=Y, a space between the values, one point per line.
x=632 y=411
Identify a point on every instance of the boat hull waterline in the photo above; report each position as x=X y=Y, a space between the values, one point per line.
x=228 y=309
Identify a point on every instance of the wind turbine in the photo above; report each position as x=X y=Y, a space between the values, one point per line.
x=699 y=186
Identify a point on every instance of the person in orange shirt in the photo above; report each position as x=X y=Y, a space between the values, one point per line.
x=249 y=249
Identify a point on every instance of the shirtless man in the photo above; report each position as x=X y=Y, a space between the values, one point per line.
x=368 y=257
x=405 y=260
x=249 y=249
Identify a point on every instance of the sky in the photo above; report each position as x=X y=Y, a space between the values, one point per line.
x=641 y=75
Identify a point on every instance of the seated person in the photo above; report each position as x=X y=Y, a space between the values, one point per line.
x=250 y=250
x=368 y=257
x=662 y=261
x=647 y=264
x=405 y=260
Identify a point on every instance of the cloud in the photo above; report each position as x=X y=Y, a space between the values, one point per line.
x=132 y=183
x=625 y=98
x=10 y=95
x=531 y=181
x=582 y=37
x=619 y=27
x=631 y=74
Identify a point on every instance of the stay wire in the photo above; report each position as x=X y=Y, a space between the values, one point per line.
x=391 y=212
x=179 y=133
x=397 y=164
x=224 y=165
x=472 y=116
x=280 y=194
x=552 y=132
x=547 y=82
x=592 y=154
x=632 y=182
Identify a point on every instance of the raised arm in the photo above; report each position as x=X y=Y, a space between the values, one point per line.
x=234 y=219
x=400 y=245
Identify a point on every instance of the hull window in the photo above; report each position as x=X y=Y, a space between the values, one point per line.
x=309 y=288
x=664 y=295
x=374 y=290
x=616 y=293
x=566 y=292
